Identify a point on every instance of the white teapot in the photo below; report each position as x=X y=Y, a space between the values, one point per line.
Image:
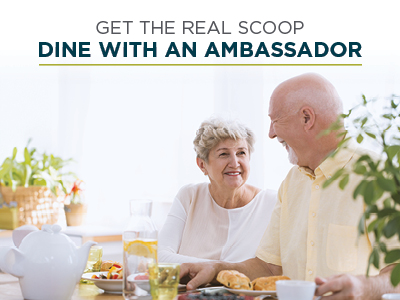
x=47 y=263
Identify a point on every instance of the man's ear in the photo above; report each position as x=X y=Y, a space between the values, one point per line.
x=308 y=117
x=202 y=165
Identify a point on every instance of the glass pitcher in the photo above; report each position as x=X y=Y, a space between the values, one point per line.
x=140 y=250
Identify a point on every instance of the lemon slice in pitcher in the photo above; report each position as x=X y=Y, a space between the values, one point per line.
x=142 y=248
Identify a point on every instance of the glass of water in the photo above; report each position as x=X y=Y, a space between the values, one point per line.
x=94 y=262
x=164 y=280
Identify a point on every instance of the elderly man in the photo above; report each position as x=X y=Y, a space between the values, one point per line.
x=312 y=234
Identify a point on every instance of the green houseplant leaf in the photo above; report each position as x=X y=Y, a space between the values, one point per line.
x=36 y=169
x=379 y=185
x=395 y=276
x=392 y=256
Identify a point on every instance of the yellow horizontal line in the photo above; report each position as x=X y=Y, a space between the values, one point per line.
x=198 y=65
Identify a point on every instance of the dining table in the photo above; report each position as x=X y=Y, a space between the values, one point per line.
x=10 y=290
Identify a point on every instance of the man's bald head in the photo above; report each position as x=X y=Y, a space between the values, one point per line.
x=300 y=109
x=309 y=90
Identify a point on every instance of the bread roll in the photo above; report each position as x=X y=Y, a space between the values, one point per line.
x=234 y=280
x=106 y=265
x=267 y=283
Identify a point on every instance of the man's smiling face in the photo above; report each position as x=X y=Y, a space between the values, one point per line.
x=284 y=126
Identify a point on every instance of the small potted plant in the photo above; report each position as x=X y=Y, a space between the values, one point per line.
x=35 y=184
x=76 y=209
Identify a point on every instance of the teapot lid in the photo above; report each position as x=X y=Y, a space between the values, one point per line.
x=21 y=232
x=50 y=234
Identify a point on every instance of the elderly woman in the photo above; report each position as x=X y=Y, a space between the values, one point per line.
x=224 y=219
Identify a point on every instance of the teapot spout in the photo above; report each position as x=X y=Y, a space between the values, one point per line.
x=83 y=254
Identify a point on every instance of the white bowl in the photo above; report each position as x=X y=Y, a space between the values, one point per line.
x=108 y=285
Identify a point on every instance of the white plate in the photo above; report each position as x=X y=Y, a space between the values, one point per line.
x=251 y=292
x=108 y=285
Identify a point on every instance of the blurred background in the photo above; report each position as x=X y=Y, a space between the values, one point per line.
x=130 y=129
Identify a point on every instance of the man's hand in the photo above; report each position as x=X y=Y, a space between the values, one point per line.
x=342 y=287
x=198 y=273
x=203 y=273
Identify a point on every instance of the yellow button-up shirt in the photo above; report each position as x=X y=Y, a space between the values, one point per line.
x=313 y=231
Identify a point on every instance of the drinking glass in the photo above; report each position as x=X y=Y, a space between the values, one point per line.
x=94 y=262
x=94 y=259
x=139 y=250
x=164 y=280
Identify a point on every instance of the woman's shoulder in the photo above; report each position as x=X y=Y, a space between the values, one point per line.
x=266 y=196
x=262 y=193
x=192 y=191
x=193 y=188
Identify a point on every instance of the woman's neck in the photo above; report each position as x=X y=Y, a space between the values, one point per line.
x=233 y=198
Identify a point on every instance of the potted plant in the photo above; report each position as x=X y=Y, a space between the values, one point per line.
x=379 y=186
x=35 y=183
x=76 y=209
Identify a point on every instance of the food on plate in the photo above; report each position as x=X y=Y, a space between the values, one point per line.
x=234 y=280
x=113 y=273
x=267 y=283
x=238 y=281
x=114 y=270
x=142 y=277
x=213 y=296
x=107 y=264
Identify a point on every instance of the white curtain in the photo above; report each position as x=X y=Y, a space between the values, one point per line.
x=130 y=129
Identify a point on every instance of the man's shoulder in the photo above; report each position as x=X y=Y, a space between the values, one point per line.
x=293 y=176
x=294 y=171
x=361 y=151
x=350 y=152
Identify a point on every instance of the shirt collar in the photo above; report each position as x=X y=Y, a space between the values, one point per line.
x=340 y=157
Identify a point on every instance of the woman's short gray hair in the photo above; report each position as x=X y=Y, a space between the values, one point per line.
x=215 y=130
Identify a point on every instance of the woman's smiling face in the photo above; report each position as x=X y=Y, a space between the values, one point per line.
x=228 y=164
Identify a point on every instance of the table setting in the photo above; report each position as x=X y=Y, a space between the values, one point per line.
x=47 y=265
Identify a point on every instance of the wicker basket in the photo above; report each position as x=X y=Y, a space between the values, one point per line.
x=36 y=204
x=9 y=218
